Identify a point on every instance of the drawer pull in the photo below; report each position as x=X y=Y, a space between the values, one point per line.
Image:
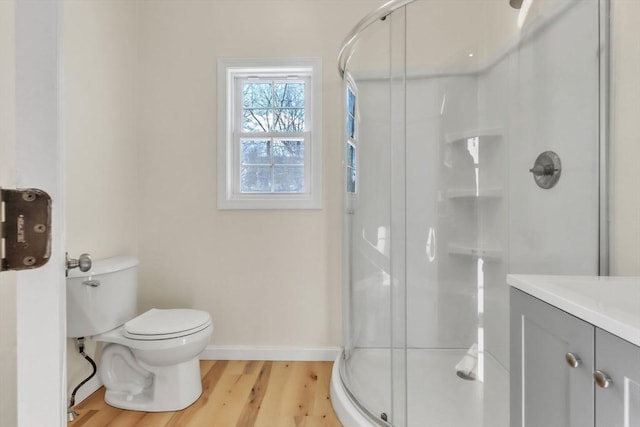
x=602 y=379
x=572 y=360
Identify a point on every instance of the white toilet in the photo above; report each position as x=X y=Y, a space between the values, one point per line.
x=149 y=362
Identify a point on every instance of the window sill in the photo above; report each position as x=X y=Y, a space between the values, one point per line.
x=269 y=202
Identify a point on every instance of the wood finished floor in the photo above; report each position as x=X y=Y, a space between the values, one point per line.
x=235 y=394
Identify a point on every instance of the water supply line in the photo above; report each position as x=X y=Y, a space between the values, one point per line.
x=71 y=414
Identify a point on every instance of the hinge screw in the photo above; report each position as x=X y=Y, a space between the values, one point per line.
x=28 y=196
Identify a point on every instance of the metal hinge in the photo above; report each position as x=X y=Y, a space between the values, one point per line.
x=25 y=230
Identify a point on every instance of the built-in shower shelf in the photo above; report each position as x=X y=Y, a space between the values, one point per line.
x=472 y=193
x=475 y=251
x=485 y=135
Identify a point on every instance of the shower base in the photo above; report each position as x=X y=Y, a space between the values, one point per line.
x=436 y=395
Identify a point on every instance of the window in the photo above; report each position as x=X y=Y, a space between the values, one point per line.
x=351 y=168
x=269 y=142
x=351 y=143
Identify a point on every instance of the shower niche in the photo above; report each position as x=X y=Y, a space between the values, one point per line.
x=454 y=100
x=474 y=162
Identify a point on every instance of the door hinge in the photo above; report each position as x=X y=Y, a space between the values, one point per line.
x=25 y=230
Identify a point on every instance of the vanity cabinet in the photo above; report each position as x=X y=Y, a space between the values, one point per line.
x=619 y=403
x=545 y=390
x=565 y=372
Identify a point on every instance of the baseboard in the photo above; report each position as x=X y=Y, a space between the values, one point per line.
x=87 y=389
x=247 y=352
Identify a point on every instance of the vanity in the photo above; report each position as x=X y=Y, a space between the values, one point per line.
x=575 y=351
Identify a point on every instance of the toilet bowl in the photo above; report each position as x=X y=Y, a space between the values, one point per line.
x=151 y=363
x=148 y=362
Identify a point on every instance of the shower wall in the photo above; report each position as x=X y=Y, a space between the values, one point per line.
x=450 y=118
x=556 y=107
x=440 y=303
x=474 y=127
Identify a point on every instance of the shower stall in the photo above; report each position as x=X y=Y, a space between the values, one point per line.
x=474 y=147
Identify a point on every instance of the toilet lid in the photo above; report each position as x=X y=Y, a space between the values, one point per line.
x=164 y=324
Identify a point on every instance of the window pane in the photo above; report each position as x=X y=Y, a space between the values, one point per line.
x=351 y=156
x=351 y=113
x=288 y=120
x=255 y=151
x=257 y=95
x=289 y=179
x=351 y=180
x=255 y=179
x=289 y=95
x=351 y=103
x=255 y=120
x=288 y=152
x=351 y=128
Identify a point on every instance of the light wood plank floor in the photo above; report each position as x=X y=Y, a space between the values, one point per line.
x=235 y=394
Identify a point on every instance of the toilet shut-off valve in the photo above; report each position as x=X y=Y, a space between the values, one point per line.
x=83 y=263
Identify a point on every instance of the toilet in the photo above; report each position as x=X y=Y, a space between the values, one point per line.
x=148 y=362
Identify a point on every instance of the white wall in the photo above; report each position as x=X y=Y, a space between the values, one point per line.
x=626 y=138
x=100 y=120
x=100 y=101
x=266 y=277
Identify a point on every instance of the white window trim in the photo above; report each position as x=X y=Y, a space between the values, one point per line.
x=228 y=195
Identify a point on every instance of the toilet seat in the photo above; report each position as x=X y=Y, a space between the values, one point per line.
x=157 y=324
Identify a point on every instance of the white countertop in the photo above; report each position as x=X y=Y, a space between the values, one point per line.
x=610 y=303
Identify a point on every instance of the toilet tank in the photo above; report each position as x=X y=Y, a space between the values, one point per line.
x=102 y=298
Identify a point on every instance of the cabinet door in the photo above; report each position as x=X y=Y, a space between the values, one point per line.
x=545 y=390
x=618 y=405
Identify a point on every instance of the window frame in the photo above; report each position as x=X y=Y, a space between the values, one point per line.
x=231 y=73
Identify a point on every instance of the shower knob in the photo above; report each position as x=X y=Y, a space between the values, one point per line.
x=542 y=170
x=546 y=170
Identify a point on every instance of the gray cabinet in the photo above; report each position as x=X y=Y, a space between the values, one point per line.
x=545 y=390
x=619 y=403
x=567 y=373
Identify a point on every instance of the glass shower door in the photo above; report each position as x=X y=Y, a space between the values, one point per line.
x=449 y=103
x=375 y=365
x=398 y=177
x=367 y=368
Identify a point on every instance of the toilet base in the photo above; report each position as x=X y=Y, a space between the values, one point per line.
x=173 y=388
